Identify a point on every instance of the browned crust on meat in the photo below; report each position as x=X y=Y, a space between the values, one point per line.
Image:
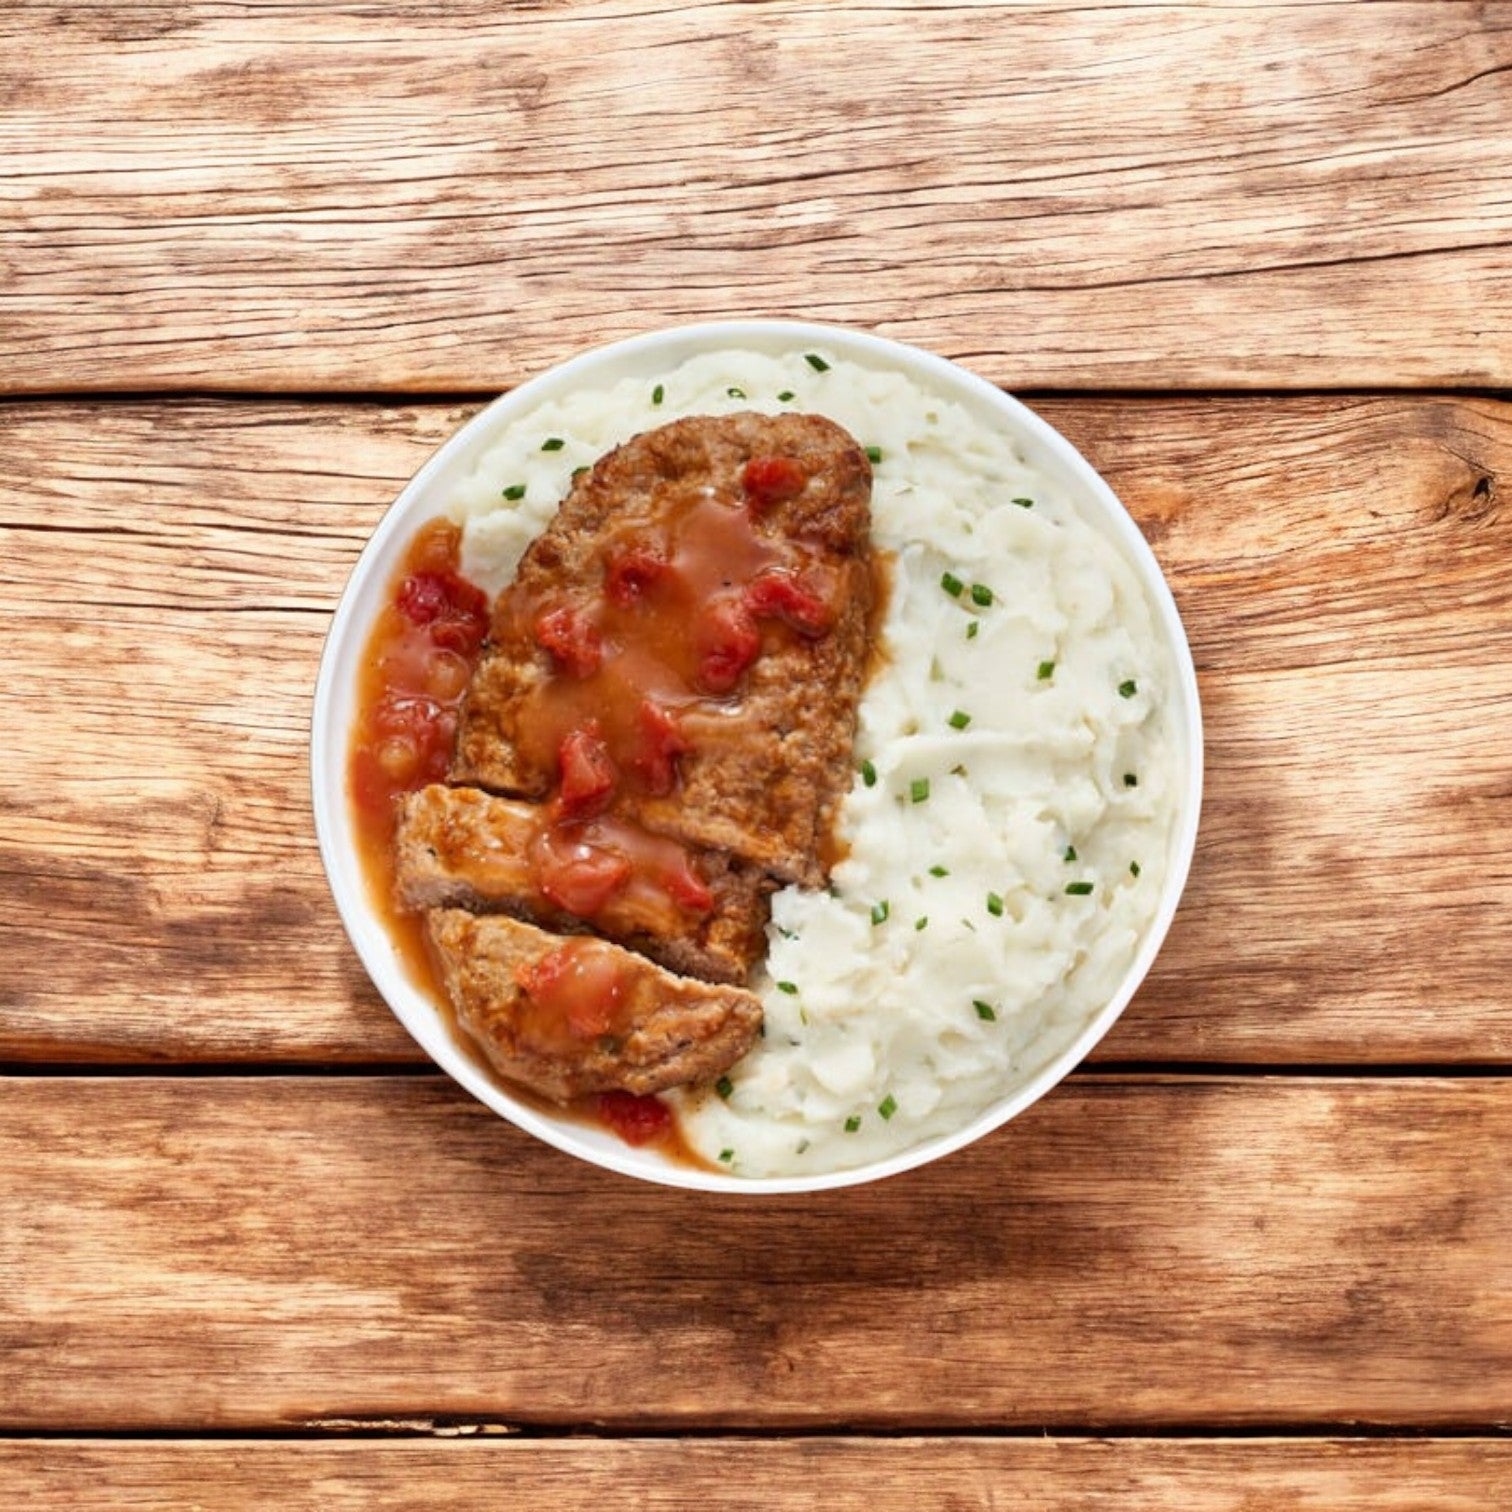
x=769 y=796
x=461 y=847
x=682 y=1030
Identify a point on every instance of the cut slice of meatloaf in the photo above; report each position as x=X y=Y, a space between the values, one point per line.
x=571 y=1017
x=704 y=915
x=699 y=607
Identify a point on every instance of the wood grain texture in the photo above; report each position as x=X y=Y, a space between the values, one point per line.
x=896 y=1475
x=242 y=1253
x=401 y=196
x=1342 y=565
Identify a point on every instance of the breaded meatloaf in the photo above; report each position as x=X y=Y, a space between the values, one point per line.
x=689 y=636
x=703 y=914
x=571 y=1017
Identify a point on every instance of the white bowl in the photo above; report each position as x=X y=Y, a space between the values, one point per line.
x=427 y=496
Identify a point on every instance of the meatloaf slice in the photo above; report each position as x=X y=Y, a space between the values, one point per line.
x=662 y=556
x=462 y=847
x=572 y=1017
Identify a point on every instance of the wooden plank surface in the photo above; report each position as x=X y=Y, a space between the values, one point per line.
x=1342 y=565
x=418 y=197
x=237 y=1253
x=894 y=1475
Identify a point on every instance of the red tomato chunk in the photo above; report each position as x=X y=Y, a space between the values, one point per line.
x=572 y=639
x=637 y=1120
x=588 y=774
x=772 y=480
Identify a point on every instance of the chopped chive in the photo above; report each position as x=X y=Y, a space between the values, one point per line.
x=985 y=1011
x=787 y=934
x=658 y=394
x=981 y=594
x=918 y=789
x=972 y=629
x=803 y=1144
x=888 y=1106
x=951 y=584
x=880 y=912
x=1024 y=503
x=515 y=491
x=816 y=362
x=853 y=1123
x=1046 y=671
x=1128 y=689
x=788 y=987
x=1133 y=868
x=1070 y=854
x=553 y=443
x=736 y=393
x=939 y=871
x=959 y=720
x=873 y=454
x=922 y=922
x=577 y=472
x=727 y=1156
x=724 y=1086
x=786 y=396
x=1078 y=889
x=1130 y=780
x=994 y=905
x=868 y=774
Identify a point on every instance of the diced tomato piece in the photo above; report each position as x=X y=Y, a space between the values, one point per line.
x=455 y=610
x=587 y=771
x=772 y=480
x=781 y=595
x=686 y=888
x=572 y=639
x=661 y=743
x=579 y=983
x=729 y=642
x=576 y=876
x=632 y=572
x=637 y=1120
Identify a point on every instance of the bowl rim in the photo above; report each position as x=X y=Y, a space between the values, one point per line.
x=345 y=636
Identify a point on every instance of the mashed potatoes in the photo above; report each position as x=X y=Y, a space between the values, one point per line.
x=1017 y=776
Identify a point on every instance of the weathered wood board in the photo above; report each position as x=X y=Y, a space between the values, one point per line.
x=419 y=197
x=892 y=1475
x=1342 y=564
x=295 y=1251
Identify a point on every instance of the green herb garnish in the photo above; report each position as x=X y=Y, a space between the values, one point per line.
x=874 y=454
x=959 y=720
x=984 y=1011
x=658 y=394
x=888 y=1106
x=1130 y=780
x=736 y=393
x=1046 y=671
x=922 y=922
x=727 y=1156
x=1128 y=689
x=880 y=912
x=972 y=629
x=790 y=988
x=951 y=584
x=981 y=594
x=786 y=396
x=1078 y=889
x=868 y=774
x=724 y=1086
x=515 y=491
x=1070 y=854
x=994 y=905
x=853 y=1123
x=939 y=871
x=1133 y=868
x=918 y=789
x=553 y=443
x=816 y=362
x=1024 y=503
